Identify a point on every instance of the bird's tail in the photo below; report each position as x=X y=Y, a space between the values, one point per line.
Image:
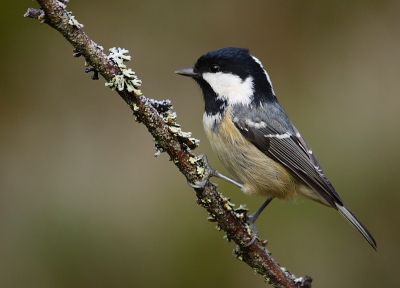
x=346 y=213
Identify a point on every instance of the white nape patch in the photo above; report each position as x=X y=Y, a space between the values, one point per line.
x=209 y=121
x=256 y=125
x=279 y=136
x=230 y=87
x=265 y=72
x=309 y=152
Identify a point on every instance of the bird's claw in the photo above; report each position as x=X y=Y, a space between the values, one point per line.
x=198 y=184
x=251 y=219
x=251 y=241
x=208 y=172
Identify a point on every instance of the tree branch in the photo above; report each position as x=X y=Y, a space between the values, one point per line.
x=160 y=122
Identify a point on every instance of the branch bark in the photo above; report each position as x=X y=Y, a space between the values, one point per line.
x=159 y=120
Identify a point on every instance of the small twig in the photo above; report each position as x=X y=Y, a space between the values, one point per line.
x=160 y=122
x=34 y=13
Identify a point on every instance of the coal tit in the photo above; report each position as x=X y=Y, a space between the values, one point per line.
x=254 y=139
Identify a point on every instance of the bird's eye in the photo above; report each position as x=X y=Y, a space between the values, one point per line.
x=214 y=68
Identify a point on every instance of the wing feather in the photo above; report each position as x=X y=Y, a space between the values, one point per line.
x=288 y=148
x=292 y=151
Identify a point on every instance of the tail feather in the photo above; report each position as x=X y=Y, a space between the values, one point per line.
x=346 y=213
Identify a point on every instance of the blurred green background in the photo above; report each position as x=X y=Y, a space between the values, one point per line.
x=83 y=202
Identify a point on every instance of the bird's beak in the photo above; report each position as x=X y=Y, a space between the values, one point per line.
x=187 y=72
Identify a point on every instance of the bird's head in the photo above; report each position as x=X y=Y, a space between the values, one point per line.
x=232 y=76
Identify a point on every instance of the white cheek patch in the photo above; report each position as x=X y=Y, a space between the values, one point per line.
x=209 y=121
x=265 y=72
x=231 y=87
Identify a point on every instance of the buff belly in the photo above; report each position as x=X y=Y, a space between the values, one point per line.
x=260 y=174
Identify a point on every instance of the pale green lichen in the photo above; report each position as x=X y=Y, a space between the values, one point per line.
x=42 y=18
x=248 y=229
x=227 y=207
x=193 y=142
x=127 y=79
x=200 y=171
x=157 y=145
x=241 y=208
x=241 y=211
x=169 y=117
x=227 y=202
x=211 y=219
x=117 y=55
x=174 y=129
x=298 y=280
x=72 y=21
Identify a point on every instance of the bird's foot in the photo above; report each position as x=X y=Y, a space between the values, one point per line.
x=251 y=219
x=210 y=172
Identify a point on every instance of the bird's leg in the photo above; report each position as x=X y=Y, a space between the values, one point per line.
x=253 y=217
x=219 y=175
x=210 y=172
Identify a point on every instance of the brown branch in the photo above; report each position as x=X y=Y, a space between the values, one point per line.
x=159 y=120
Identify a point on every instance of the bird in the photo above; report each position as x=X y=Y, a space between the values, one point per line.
x=254 y=139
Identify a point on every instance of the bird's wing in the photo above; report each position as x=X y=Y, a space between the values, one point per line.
x=292 y=151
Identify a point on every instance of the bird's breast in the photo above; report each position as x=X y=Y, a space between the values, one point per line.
x=260 y=174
